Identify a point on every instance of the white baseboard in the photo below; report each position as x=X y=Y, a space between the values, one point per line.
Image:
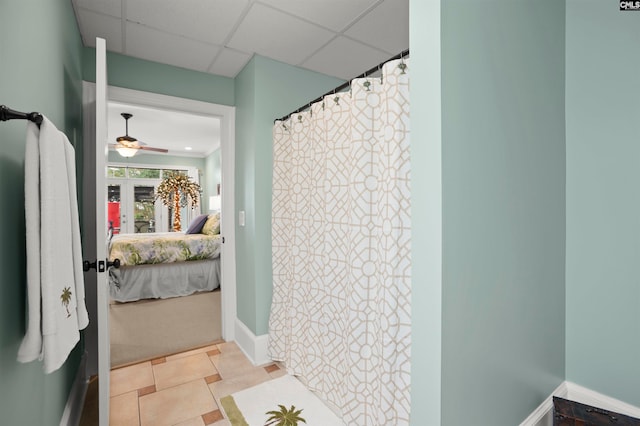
x=543 y=415
x=254 y=347
x=73 y=408
x=587 y=396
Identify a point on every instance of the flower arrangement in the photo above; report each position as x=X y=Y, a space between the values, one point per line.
x=177 y=190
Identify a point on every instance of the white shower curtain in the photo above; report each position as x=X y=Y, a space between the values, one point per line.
x=341 y=311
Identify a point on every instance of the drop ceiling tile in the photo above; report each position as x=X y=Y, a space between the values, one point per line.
x=94 y=25
x=229 y=63
x=332 y=14
x=385 y=27
x=279 y=36
x=345 y=59
x=107 y=7
x=205 y=20
x=158 y=46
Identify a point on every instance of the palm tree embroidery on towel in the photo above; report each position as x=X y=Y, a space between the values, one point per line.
x=284 y=417
x=66 y=298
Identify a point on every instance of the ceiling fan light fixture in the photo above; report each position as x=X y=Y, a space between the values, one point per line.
x=127 y=146
x=125 y=151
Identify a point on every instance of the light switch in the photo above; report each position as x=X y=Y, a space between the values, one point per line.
x=241 y=218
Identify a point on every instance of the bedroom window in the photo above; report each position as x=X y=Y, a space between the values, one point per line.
x=130 y=196
x=116 y=172
x=138 y=173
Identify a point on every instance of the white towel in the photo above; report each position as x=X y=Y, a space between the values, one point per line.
x=31 y=347
x=55 y=282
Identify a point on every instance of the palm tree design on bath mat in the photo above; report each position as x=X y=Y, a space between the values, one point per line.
x=284 y=417
x=66 y=298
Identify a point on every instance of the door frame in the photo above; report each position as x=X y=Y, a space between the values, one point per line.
x=226 y=114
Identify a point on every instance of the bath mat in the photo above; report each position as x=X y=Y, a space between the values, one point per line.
x=248 y=407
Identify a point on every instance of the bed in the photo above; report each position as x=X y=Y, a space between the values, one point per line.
x=163 y=265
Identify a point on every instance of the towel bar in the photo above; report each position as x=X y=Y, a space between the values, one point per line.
x=7 y=113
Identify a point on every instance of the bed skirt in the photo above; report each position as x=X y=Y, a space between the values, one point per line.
x=162 y=281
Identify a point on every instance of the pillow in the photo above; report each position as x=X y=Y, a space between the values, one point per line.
x=212 y=225
x=196 y=224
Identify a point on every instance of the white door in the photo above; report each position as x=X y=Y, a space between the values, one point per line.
x=104 y=354
x=144 y=213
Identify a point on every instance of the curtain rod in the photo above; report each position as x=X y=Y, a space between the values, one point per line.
x=346 y=84
x=9 y=114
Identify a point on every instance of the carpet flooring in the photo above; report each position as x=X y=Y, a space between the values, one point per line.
x=149 y=329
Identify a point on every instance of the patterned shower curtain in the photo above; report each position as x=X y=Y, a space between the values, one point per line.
x=341 y=310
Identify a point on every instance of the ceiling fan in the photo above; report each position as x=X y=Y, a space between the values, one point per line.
x=128 y=146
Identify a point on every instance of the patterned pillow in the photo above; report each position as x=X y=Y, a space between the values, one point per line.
x=212 y=225
x=196 y=224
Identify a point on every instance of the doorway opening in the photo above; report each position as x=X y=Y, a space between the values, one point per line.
x=226 y=117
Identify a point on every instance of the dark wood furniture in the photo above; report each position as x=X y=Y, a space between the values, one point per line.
x=571 y=413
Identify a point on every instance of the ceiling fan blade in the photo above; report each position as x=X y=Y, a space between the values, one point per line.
x=148 y=148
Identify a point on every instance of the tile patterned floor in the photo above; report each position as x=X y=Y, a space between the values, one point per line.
x=184 y=389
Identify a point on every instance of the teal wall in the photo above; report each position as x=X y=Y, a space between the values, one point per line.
x=503 y=186
x=139 y=74
x=426 y=213
x=212 y=175
x=40 y=70
x=265 y=90
x=603 y=201
x=244 y=193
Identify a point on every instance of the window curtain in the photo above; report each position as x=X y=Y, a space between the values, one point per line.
x=341 y=310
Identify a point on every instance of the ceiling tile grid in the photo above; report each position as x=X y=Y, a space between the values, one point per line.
x=94 y=25
x=341 y=38
x=207 y=21
x=345 y=58
x=335 y=15
x=154 y=45
x=386 y=27
x=229 y=62
x=105 y=7
x=274 y=34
